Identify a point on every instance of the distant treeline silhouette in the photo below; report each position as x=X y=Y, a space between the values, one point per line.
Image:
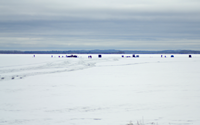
x=101 y=52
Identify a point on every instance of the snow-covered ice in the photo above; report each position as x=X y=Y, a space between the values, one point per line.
x=100 y=91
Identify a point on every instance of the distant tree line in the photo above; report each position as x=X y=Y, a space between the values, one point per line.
x=165 y=52
x=101 y=52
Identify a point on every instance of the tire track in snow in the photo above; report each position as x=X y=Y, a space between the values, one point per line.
x=56 y=67
x=48 y=68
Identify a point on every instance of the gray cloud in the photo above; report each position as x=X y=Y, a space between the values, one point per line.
x=89 y=24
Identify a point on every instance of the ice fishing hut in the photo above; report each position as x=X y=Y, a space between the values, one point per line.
x=72 y=56
x=75 y=56
x=172 y=56
x=137 y=56
x=133 y=55
x=190 y=56
x=99 y=56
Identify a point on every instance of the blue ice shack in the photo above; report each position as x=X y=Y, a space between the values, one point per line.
x=172 y=56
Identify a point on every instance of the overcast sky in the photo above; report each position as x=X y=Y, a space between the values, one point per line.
x=99 y=24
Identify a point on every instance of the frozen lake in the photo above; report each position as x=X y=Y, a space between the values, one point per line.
x=99 y=91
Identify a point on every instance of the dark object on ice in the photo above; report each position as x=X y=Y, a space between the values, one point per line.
x=172 y=55
x=99 y=56
x=122 y=55
x=2 y=78
x=51 y=56
x=58 y=56
x=190 y=56
x=133 y=55
x=128 y=56
x=20 y=77
x=137 y=55
x=33 y=55
x=75 y=56
x=90 y=56
x=13 y=78
x=161 y=56
x=165 y=56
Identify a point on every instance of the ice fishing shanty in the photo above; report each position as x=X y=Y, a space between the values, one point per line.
x=72 y=56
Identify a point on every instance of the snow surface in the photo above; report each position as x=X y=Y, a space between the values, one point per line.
x=100 y=91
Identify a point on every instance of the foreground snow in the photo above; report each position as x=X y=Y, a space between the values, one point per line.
x=99 y=91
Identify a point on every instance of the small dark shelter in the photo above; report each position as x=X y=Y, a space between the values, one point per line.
x=74 y=56
x=190 y=56
x=133 y=55
x=99 y=56
x=172 y=56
